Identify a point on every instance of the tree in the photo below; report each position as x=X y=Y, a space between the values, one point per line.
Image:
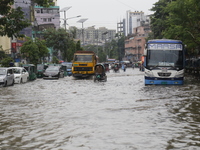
x=61 y=41
x=12 y=20
x=2 y=53
x=159 y=18
x=121 y=49
x=183 y=23
x=33 y=51
x=43 y=50
x=6 y=62
x=102 y=55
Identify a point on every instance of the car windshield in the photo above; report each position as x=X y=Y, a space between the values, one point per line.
x=2 y=71
x=83 y=58
x=16 y=71
x=69 y=65
x=52 y=68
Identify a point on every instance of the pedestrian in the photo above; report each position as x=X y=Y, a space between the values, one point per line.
x=133 y=65
x=124 y=67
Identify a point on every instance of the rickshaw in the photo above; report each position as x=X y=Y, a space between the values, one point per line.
x=107 y=67
x=116 y=67
x=100 y=74
x=31 y=70
x=40 y=70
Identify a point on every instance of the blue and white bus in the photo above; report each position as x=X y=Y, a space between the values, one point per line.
x=164 y=62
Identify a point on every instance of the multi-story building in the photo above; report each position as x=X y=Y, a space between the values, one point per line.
x=40 y=18
x=134 y=46
x=94 y=36
x=132 y=20
x=46 y=17
x=121 y=27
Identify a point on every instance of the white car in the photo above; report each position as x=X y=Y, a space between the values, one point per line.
x=21 y=74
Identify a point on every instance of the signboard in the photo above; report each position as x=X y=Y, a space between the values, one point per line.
x=13 y=46
x=155 y=46
x=19 y=44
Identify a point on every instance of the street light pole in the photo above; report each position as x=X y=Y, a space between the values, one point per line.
x=82 y=21
x=65 y=17
x=65 y=20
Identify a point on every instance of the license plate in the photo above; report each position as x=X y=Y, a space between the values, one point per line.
x=163 y=82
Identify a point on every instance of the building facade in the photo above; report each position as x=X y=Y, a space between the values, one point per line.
x=40 y=19
x=5 y=44
x=135 y=45
x=94 y=36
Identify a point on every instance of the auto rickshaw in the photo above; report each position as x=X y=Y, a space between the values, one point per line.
x=100 y=74
x=31 y=70
x=116 y=67
x=40 y=70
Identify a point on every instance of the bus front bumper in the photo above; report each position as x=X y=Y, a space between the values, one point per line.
x=164 y=81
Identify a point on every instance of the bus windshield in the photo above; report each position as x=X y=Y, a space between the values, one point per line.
x=165 y=58
x=83 y=58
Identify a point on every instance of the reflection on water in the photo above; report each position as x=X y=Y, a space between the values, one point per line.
x=118 y=114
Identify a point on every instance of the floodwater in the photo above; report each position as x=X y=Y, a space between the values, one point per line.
x=120 y=114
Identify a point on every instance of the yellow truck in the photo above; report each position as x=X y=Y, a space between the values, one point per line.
x=83 y=63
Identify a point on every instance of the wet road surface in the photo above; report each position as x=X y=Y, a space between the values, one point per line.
x=120 y=114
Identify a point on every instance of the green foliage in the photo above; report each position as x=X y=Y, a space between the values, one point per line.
x=102 y=55
x=6 y=61
x=61 y=41
x=12 y=21
x=121 y=49
x=113 y=49
x=2 y=54
x=43 y=50
x=158 y=19
x=45 y=3
x=34 y=51
x=78 y=46
x=178 y=19
x=184 y=23
x=55 y=60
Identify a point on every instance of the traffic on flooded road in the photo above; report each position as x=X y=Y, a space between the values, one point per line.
x=119 y=114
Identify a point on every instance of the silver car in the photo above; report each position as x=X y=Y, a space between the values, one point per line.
x=6 y=76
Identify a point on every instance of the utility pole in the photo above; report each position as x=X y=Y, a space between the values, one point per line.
x=82 y=30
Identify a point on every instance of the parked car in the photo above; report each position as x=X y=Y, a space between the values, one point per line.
x=21 y=74
x=68 y=67
x=53 y=72
x=6 y=76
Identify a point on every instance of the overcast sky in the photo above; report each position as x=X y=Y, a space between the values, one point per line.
x=102 y=13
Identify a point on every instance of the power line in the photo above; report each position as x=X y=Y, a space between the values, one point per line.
x=125 y=4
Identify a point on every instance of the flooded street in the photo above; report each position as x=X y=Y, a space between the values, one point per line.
x=120 y=114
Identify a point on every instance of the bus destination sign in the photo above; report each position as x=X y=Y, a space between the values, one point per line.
x=159 y=46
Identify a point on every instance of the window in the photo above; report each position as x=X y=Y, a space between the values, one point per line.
x=10 y=71
x=49 y=19
x=44 y=19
